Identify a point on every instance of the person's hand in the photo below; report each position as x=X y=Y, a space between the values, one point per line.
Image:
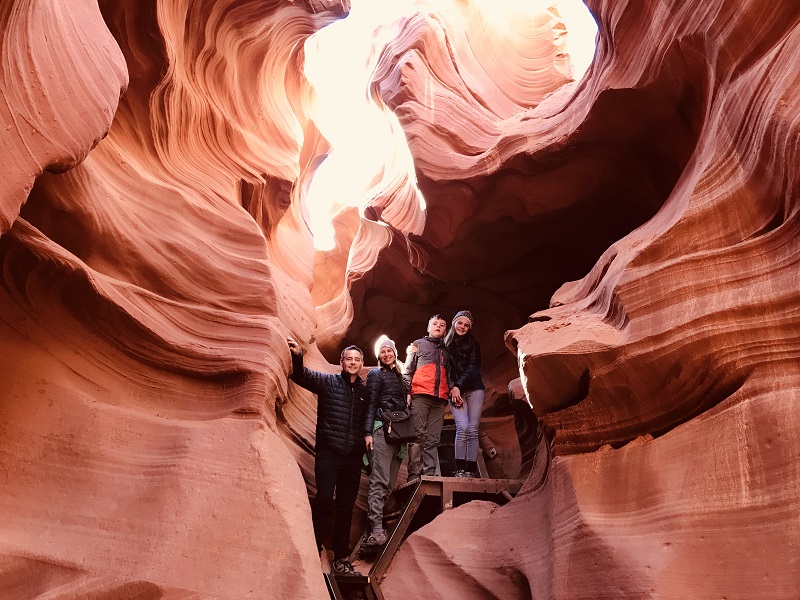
x=294 y=346
x=455 y=395
x=408 y=400
x=368 y=440
x=412 y=349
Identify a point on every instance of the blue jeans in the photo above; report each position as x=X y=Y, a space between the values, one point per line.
x=468 y=418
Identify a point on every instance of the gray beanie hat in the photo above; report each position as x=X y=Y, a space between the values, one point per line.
x=464 y=313
x=382 y=342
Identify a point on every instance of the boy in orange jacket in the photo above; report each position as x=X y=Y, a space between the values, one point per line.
x=426 y=374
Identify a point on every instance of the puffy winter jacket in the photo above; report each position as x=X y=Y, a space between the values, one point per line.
x=341 y=407
x=426 y=370
x=387 y=391
x=465 y=363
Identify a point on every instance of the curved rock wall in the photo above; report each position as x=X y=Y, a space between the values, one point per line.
x=143 y=320
x=666 y=376
x=155 y=253
x=50 y=122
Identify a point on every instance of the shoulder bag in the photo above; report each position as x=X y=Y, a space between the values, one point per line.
x=398 y=426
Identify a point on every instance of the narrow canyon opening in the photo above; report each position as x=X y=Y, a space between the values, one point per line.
x=501 y=242
x=183 y=190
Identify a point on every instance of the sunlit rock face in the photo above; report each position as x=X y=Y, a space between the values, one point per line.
x=666 y=373
x=461 y=85
x=146 y=296
x=50 y=122
x=156 y=252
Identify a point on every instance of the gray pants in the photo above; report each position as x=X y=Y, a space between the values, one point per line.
x=385 y=466
x=427 y=412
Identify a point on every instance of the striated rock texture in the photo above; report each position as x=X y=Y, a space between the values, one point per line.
x=155 y=253
x=50 y=121
x=667 y=376
x=145 y=300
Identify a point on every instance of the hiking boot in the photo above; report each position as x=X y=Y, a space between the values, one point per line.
x=376 y=539
x=343 y=567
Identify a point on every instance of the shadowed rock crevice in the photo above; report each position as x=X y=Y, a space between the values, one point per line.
x=502 y=244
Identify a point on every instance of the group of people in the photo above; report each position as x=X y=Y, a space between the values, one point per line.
x=352 y=416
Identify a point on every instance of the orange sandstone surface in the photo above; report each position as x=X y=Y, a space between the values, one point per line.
x=634 y=234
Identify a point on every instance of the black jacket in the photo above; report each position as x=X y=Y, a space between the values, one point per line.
x=386 y=391
x=465 y=363
x=341 y=407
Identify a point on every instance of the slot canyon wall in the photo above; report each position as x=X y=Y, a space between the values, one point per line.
x=633 y=233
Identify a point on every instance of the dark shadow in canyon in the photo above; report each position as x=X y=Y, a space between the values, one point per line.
x=500 y=245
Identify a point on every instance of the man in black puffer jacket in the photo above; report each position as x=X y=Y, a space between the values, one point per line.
x=341 y=409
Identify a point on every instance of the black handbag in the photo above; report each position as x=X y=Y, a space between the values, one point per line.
x=398 y=426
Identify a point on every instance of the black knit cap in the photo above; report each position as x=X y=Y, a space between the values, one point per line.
x=464 y=313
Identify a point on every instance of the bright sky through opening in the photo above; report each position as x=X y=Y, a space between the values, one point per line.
x=366 y=139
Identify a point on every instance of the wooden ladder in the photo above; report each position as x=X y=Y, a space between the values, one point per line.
x=420 y=501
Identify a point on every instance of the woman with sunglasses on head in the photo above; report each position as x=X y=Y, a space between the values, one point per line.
x=466 y=396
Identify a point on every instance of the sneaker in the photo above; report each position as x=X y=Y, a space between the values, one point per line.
x=376 y=538
x=460 y=473
x=343 y=567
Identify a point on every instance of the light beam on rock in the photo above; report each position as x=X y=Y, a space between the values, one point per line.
x=369 y=153
x=368 y=144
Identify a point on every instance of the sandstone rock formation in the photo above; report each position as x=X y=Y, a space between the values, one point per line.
x=155 y=254
x=144 y=356
x=666 y=374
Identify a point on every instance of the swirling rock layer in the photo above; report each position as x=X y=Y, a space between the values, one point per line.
x=143 y=351
x=155 y=253
x=668 y=372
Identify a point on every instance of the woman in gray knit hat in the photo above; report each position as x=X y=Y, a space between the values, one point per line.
x=466 y=396
x=387 y=393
